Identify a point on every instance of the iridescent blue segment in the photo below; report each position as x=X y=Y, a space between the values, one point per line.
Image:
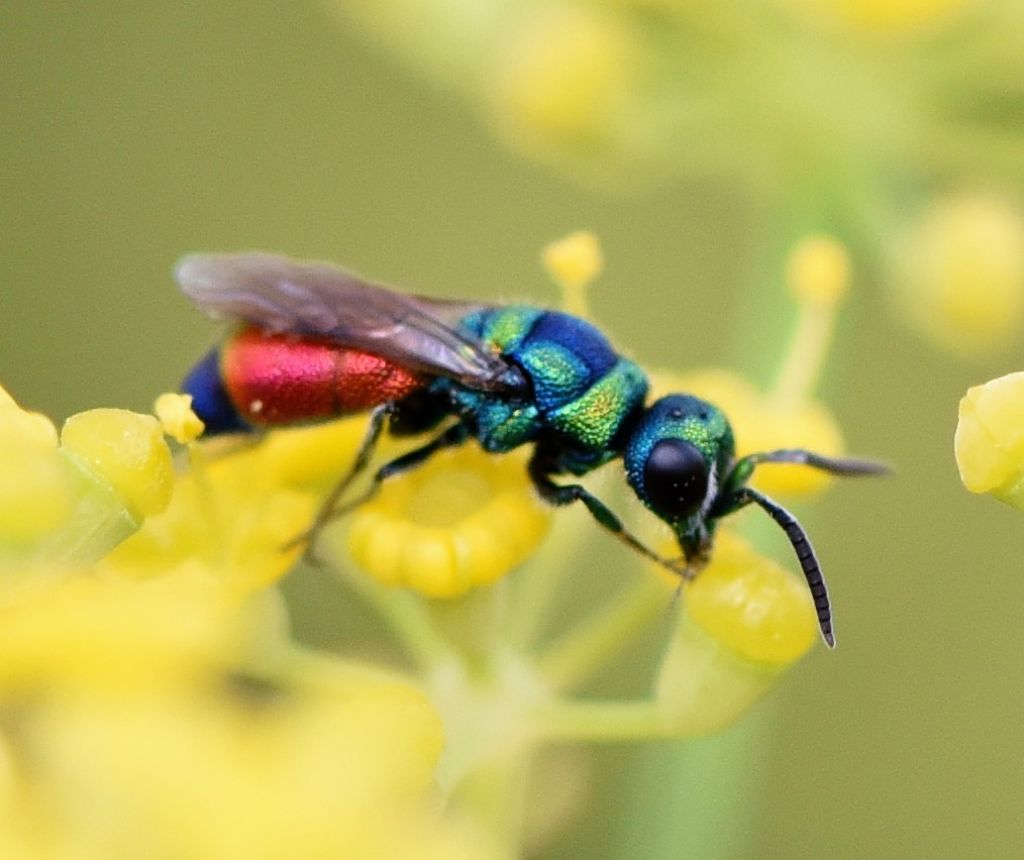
x=679 y=416
x=210 y=400
x=581 y=388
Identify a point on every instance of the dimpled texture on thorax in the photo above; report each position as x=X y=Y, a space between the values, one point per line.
x=582 y=388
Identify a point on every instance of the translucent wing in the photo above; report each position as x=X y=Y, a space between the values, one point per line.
x=279 y=294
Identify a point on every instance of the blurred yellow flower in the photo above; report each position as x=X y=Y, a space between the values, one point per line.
x=232 y=514
x=960 y=272
x=818 y=272
x=464 y=519
x=573 y=263
x=563 y=78
x=989 y=439
x=744 y=620
x=75 y=499
x=143 y=727
x=36 y=489
x=752 y=605
x=885 y=15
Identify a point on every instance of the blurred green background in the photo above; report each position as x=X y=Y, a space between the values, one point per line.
x=135 y=132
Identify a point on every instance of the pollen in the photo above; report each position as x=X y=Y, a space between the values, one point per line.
x=462 y=520
x=174 y=412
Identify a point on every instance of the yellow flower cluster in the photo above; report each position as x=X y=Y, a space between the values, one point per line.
x=76 y=496
x=154 y=703
x=463 y=519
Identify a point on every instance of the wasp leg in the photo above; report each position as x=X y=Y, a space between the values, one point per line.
x=801 y=546
x=454 y=435
x=450 y=438
x=326 y=512
x=560 y=495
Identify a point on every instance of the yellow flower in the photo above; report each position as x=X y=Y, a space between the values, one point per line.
x=127 y=450
x=75 y=500
x=232 y=514
x=464 y=519
x=760 y=423
x=744 y=620
x=575 y=260
x=960 y=273
x=563 y=80
x=78 y=632
x=818 y=272
x=142 y=727
x=885 y=15
x=36 y=489
x=989 y=440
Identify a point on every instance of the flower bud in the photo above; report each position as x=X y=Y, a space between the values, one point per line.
x=989 y=439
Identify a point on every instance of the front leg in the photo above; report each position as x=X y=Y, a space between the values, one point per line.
x=560 y=495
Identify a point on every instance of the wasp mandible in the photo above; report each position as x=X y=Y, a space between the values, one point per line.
x=315 y=342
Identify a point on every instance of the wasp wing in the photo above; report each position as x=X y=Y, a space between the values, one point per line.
x=284 y=295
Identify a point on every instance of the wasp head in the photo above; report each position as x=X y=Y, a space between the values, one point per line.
x=676 y=459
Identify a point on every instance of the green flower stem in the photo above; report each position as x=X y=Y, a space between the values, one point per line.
x=495 y=796
x=577 y=654
x=537 y=584
x=98 y=522
x=804 y=359
x=695 y=799
x=472 y=624
x=408 y=618
x=596 y=721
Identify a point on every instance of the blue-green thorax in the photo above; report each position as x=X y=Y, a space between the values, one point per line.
x=583 y=392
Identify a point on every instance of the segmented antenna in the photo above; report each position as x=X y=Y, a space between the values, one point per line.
x=808 y=560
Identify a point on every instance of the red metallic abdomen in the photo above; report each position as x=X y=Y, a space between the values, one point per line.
x=277 y=379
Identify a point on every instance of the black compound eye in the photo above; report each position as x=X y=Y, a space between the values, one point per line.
x=675 y=478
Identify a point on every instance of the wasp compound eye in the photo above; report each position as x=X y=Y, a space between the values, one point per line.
x=675 y=478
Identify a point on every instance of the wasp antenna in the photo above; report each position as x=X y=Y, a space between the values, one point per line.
x=834 y=465
x=808 y=560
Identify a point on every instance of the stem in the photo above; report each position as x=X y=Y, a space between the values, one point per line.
x=695 y=799
x=597 y=721
x=407 y=617
x=494 y=795
x=804 y=360
x=581 y=651
x=472 y=624
x=541 y=579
